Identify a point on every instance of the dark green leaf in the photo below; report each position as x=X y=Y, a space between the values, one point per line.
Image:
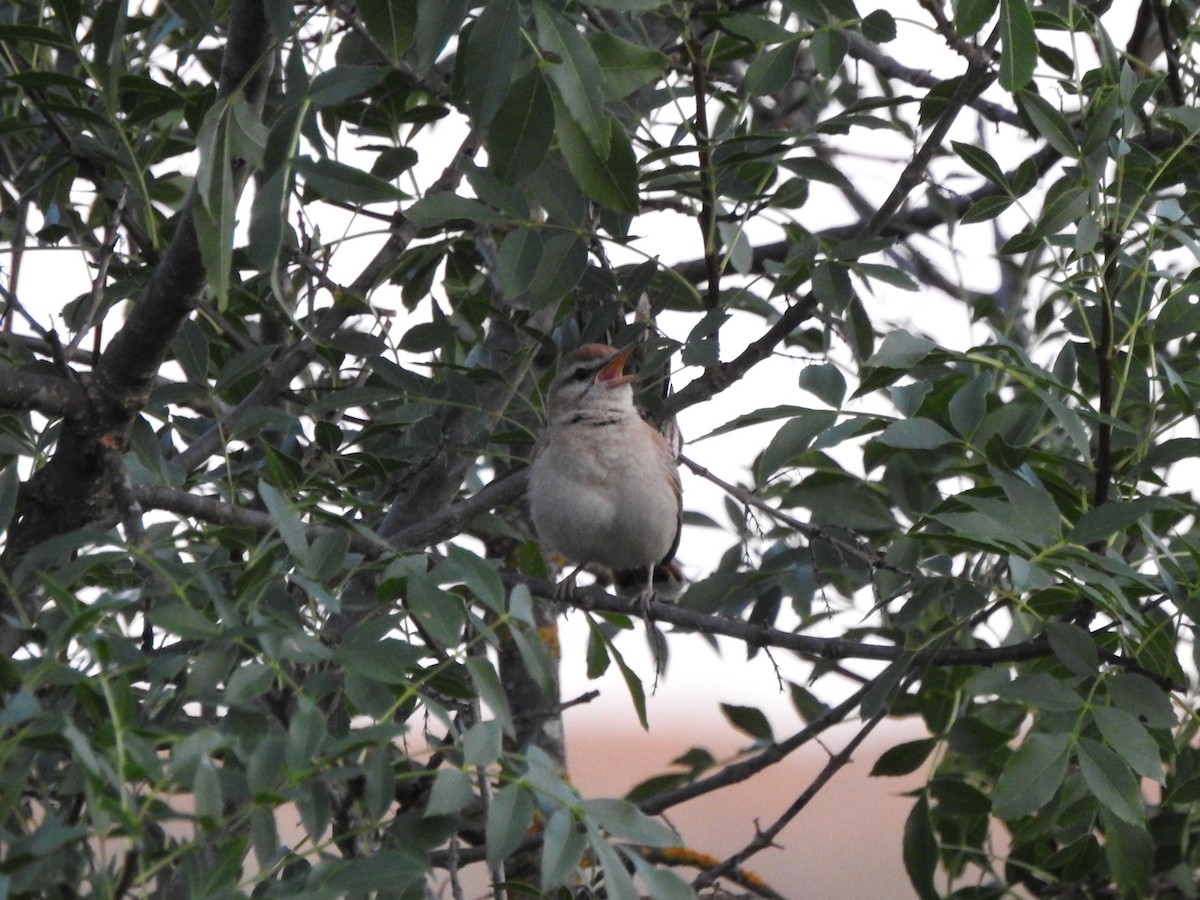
x=340 y=83
x=1142 y=698
x=1018 y=44
x=1111 y=782
x=920 y=850
x=1131 y=741
x=916 y=434
x=771 y=70
x=879 y=27
x=626 y=66
x=904 y=758
x=1043 y=691
x=490 y=57
x=1129 y=851
x=341 y=182
x=522 y=129
x=971 y=15
x=1032 y=775
x=437 y=22
x=391 y=22
x=577 y=75
x=749 y=719
x=611 y=179
x=1074 y=647
x=508 y=820
x=826 y=382
x=1049 y=122
x=452 y=791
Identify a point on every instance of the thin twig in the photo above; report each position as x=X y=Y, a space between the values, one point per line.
x=766 y=837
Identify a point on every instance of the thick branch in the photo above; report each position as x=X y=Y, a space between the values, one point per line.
x=71 y=490
x=40 y=392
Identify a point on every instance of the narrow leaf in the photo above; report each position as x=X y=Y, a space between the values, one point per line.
x=1019 y=43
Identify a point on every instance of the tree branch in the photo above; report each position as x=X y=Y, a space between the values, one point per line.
x=41 y=392
x=71 y=489
x=764 y=839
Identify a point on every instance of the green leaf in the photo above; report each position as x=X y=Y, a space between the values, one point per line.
x=920 y=850
x=577 y=75
x=627 y=66
x=338 y=181
x=879 y=27
x=1035 y=505
x=491 y=691
x=434 y=209
x=1142 y=698
x=1032 y=775
x=1129 y=851
x=491 y=55
x=598 y=659
x=610 y=179
x=971 y=15
x=562 y=267
x=440 y=613
x=482 y=744
x=248 y=683
x=508 y=820
x=1049 y=123
x=563 y=845
x=904 y=758
x=981 y=161
x=392 y=23
x=791 y=440
x=985 y=208
x=829 y=48
x=624 y=821
x=826 y=382
x=388 y=872
x=287 y=522
x=522 y=130
x=437 y=22
x=662 y=884
x=517 y=261
x=1074 y=648
x=10 y=483
x=452 y=791
x=749 y=719
x=1110 y=781
x=1042 y=690
x=339 y=84
x=900 y=350
x=1019 y=43
x=1111 y=518
x=476 y=573
x=1130 y=740
x=916 y=434
x=771 y=71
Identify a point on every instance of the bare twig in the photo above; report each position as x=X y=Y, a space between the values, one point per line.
x=765 y=838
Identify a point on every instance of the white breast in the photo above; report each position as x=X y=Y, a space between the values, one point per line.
x=605 y=493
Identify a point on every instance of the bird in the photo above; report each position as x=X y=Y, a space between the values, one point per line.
x=604 y=483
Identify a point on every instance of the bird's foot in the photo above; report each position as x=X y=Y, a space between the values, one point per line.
x=566 y=590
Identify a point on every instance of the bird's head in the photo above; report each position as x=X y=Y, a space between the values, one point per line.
x=591 y=375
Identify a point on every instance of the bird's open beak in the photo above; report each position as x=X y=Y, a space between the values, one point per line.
x=613 y=374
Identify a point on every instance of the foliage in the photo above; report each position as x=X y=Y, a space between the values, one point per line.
x=265 y=549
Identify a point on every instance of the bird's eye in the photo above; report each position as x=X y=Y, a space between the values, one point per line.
x=581 y=374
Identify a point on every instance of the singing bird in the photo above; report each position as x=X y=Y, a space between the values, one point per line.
x=604 y=484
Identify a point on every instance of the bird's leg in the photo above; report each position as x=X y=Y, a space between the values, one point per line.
x=564 y=591
x=645 y=597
